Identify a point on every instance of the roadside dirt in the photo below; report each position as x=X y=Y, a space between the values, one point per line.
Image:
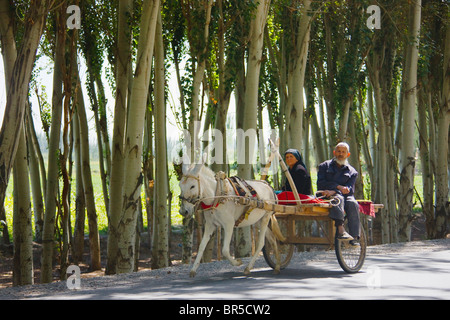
x=6 y=260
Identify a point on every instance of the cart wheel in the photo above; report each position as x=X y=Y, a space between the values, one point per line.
x=351 y=258
x=286 y=252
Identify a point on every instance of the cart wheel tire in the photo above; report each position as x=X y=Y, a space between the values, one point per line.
x=351 y=258
x=286 y=252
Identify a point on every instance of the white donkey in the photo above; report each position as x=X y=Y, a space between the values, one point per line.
x=198 y=188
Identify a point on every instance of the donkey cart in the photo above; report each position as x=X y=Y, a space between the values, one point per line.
x=285 y=223
x=234 y=202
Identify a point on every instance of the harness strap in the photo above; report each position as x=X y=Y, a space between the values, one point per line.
x=236 y=181
x=206 y=206
x=243 y=216
x=219 y=177
x=250 y=188
x=237 y=188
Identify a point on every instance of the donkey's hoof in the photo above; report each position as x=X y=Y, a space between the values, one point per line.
x=192 y=274
x=276 y=271
x=236 y=262
x=247 y=271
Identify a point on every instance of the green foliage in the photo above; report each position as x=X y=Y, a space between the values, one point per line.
x=45 y=110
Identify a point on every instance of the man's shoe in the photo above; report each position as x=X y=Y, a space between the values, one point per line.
x=354 y=243
x=345 y=236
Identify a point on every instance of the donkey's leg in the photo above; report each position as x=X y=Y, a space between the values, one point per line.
x=209 y=230
x=227 y=234
x=261 y=237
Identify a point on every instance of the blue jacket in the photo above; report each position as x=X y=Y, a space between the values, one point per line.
x=330 y=176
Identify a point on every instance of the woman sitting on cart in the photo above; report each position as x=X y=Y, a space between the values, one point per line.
x=298 y=171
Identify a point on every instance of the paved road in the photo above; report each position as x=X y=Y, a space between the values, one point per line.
x=413 y=275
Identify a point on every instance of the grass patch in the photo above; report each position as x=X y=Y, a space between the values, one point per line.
x=102 y=219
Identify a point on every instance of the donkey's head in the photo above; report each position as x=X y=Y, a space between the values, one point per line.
x=190 y=189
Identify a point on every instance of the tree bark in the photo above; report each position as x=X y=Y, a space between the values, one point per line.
x=407 y=157
x=48 y=236
x=80 y=204
x=17 y=94
x=427 y=174
x=22 y=227
x=381 y=152
x=35 y=156
x=245 y=171
x=94 y=240
x=133 y=141
x=160 y=242
x=296 y=113
x=197 y=81
x=123 y=68
x=442 y=212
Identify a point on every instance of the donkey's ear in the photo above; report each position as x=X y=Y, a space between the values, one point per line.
x=196 y=169
x=185 y=168
x=199 y=166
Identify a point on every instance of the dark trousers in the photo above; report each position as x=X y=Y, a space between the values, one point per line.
x=350 y=207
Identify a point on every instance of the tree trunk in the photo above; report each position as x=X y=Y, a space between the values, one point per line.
x=160 y=242
x=102 y=142
x=69 y=78
x=442 y=212
x=245 y=171
x=80 y=204
x=94 y=240
x=365 y=136
x=22 y=227
x=329 y=85
x=224 y=96
x=381 y=152
x=407 y=156
x=17 y=94
x=427 y=174
x=126 y=230
x=197 y=81
x=148 y=167
x=123 y=68
x=53 y=154
x=355 y=156
x=298 y=78
x=35 y=154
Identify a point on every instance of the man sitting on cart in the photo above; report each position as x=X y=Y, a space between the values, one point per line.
x=337 y=178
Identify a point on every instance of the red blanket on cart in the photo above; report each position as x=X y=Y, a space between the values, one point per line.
x=287 y=198
x=366 y=207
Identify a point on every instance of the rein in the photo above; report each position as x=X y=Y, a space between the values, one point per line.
x=199 y=201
